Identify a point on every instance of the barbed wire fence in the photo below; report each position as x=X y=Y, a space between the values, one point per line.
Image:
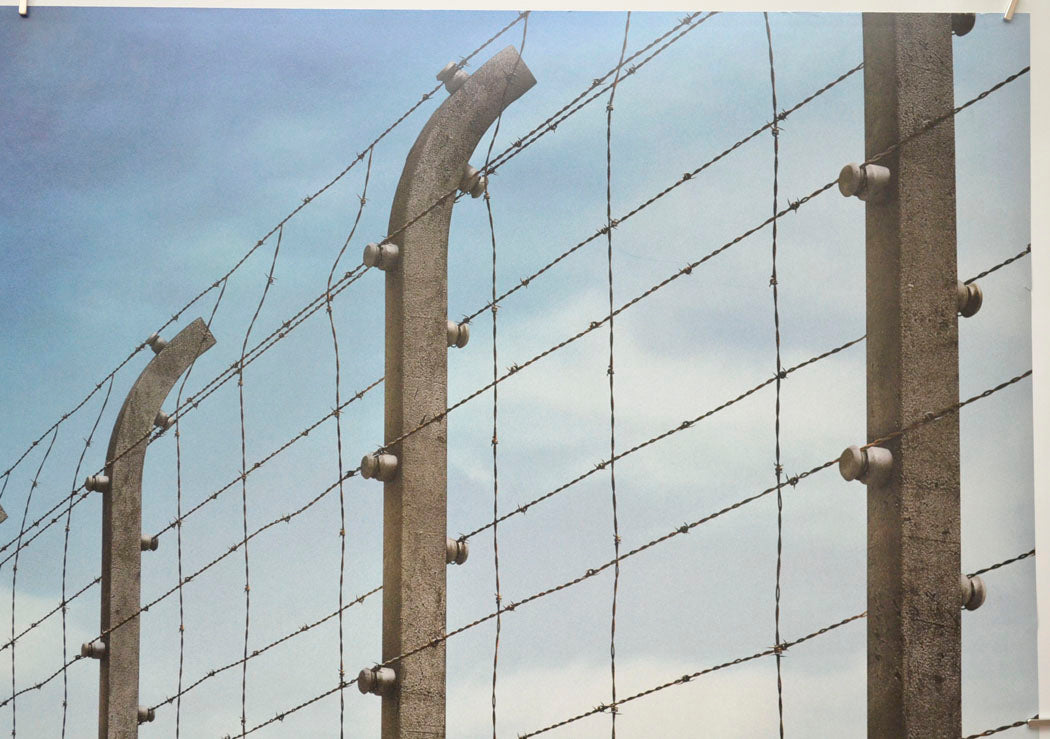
x=281 y=513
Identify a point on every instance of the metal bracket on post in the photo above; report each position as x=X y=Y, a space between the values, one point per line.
x=118 y=653
x=914 y=645
x=415 y=498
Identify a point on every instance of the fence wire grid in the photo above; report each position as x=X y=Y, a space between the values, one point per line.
x=667 y=300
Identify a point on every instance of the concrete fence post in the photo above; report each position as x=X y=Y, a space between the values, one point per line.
x=119 y=714
x=913 y=369
x=414 y=512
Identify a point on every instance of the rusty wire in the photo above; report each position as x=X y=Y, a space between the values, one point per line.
x=776 y=650
x=305 y=201
x=778 y=469
x=64 y=601
x=362 y=198
x=14 y=574
x=610 y=372
x=997 y=729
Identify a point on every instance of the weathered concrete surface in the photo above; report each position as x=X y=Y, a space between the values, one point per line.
x=122 y=529
x=912 y=345
x=414 y=512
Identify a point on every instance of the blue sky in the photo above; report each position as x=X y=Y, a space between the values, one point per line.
x=147 y=150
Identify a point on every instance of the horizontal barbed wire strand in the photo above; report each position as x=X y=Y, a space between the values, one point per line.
x=307 y=200
x=1027 y=250
x=39 y=622
x=523 y=508
x=683 y=529
x=1004 y=563
x=998 y=729
x=776 y=650
x=525 y=281
x=255 y=653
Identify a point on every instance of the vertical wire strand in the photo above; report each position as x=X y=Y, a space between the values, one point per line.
x=339 y=437
x=178 y=518
x=65 y=553
x=495 y=463
x=777 y=467
x=14 y=575
x=610 y=224
x=244 y=484
x=495 y=389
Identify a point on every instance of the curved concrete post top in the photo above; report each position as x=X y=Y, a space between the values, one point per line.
x=436 y=162
x=122 y=529
x=415 y=498
x=146 y=396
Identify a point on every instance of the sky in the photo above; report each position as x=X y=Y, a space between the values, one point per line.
x=148 y=150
